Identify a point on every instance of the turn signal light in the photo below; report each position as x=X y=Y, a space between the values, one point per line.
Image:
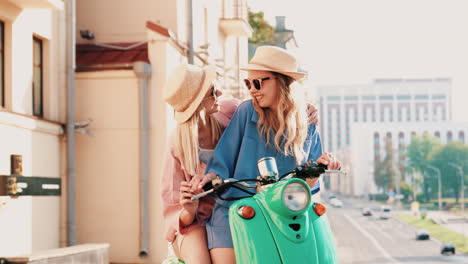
x=246 y=212
x=319 y=209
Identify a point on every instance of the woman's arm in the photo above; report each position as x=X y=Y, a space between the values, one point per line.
x=315 y=151
x=176 y=218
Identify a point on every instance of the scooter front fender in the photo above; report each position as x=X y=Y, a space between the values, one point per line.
x=259 y=240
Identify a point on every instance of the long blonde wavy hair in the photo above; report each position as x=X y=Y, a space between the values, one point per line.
x=288 y=123
x=186 y=139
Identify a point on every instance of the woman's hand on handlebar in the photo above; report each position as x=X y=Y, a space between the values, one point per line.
x=200 y=181
x=329 y=160
x=187 y=192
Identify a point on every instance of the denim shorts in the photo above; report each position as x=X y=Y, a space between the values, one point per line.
x=217 y=228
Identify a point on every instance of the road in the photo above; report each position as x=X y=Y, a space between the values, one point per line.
x=366 y=240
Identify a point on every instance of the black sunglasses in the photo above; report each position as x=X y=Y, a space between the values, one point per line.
x=257 y=83
x=213 y=94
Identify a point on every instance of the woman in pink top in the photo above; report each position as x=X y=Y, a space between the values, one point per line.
x=201 y=118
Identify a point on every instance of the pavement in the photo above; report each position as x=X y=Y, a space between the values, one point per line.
x=450 y=221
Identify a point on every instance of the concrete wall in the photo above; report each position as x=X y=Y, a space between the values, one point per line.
x=28 y=224
x=107 y=191
x=112 y=23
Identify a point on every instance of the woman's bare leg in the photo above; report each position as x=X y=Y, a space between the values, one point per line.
x=194 y=248
x=223 y=256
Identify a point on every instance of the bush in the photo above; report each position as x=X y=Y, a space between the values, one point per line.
x=378 y=197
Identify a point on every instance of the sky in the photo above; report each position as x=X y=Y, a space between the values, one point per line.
x=356 y=41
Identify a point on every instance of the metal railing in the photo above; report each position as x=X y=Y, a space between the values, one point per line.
x=235 y=9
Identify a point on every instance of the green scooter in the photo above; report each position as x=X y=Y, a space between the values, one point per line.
x=280 y=223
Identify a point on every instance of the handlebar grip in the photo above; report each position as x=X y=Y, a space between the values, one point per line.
x=208 y=186
x=320 y=165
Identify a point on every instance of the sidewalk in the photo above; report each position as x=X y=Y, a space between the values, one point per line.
x=450 y=221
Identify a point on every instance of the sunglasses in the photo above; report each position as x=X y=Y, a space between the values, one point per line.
x=213 y=94
x=257 y=83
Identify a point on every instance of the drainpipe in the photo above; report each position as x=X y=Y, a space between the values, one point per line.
x=71 y=227
x=190 y=32
x=143 y=72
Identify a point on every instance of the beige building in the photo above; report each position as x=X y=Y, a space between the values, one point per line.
x=121 y=71
x=32 y=111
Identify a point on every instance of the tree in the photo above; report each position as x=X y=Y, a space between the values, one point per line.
x=457 y=153
x=384 y=172
x=419 y=154
x=262 y=31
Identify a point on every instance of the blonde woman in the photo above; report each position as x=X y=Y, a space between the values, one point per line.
x=272 y=124
x=201 y=118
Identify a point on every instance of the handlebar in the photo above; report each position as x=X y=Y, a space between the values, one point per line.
x=221 y=186
x=310 y=169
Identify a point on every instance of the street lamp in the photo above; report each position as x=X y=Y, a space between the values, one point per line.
x=440 y=184
x=460 y=170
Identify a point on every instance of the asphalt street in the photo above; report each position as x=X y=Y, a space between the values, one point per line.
x=368 y=239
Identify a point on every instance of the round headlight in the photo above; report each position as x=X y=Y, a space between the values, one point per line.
x=296 y=196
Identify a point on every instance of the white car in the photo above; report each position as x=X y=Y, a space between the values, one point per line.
x=335 y=202
x=385 y=212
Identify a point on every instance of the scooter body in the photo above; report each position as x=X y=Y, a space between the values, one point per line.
x=276 y=234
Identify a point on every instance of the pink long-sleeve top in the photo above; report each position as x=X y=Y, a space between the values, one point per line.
x=173 y=174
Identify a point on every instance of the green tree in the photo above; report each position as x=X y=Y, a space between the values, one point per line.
x=384 y=172
x=419 y=154
x=262 y=31
x=454 y=152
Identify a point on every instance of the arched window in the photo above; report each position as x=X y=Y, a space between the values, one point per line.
x=376 y=146
x=449 y=136
x=461 y=136
x=401 y=143
x=388 y=143
x=413 y=134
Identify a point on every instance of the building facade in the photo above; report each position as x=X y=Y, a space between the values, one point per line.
x=383 y=101
x=32 y=114
x=356 y=119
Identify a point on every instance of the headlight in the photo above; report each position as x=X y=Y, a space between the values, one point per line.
x=296 y=196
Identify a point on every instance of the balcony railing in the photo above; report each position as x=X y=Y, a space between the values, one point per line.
x=235 y=9
x=52 y=4
x=234 y=20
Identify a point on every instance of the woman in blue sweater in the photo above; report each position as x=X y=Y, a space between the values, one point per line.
x=272 y=124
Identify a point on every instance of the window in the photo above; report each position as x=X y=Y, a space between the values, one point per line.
x=376 y=146
x=37 y=84
x=449 y=136
x=2 y=65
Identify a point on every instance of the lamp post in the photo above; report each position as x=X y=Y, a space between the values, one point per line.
x=460 y=170
x=440 y=184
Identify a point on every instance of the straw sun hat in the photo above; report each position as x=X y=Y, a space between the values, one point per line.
x=274 y=59
x=185 y=89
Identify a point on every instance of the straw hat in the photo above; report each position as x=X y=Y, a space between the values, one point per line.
x=186 y=87
x=274 y=59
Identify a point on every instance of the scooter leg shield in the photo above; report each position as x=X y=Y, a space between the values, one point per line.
x=252 y=238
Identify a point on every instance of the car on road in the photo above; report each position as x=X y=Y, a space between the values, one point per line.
x=422 y=235
x=385 y=212
x=447 y=248
x=366 y=211
x=335 y=202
